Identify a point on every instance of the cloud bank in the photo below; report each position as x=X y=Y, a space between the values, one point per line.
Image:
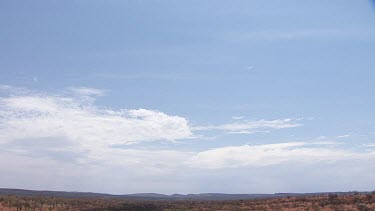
x=68 y=137
x=273 y=154
x=37 y=116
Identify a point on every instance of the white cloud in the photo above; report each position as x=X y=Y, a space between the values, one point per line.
x=34 y=116
x=13 y=90
x=68 y=137
x=28 y=114
x=4 y=87
x=249 y=127
x=237 y=117
x=59 y=126
x=344 y=136
x=86 y=91
x=248 y=131
x=272 y=154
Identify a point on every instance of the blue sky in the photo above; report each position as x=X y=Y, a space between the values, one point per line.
x=187 y=96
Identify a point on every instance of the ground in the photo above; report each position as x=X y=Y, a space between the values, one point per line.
x=362 y=202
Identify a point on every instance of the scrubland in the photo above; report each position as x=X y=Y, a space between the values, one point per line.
x=353 y=201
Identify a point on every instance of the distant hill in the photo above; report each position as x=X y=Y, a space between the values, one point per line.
x=156 y=196
x=22 y=192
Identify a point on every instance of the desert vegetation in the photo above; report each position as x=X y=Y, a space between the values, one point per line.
x=355 y=201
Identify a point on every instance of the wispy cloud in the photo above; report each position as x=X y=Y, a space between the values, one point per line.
x=273 y=154
x=249 y=127
x=344 y=136
x=87 y=91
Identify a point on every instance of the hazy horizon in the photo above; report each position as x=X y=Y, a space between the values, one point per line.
x=184 y=194
x=167 y=97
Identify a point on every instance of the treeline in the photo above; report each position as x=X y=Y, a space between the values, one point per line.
x=356 y=201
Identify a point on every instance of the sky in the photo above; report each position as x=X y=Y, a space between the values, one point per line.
x=187 y=96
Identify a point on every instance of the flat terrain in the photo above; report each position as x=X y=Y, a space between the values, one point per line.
x=349 y=201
